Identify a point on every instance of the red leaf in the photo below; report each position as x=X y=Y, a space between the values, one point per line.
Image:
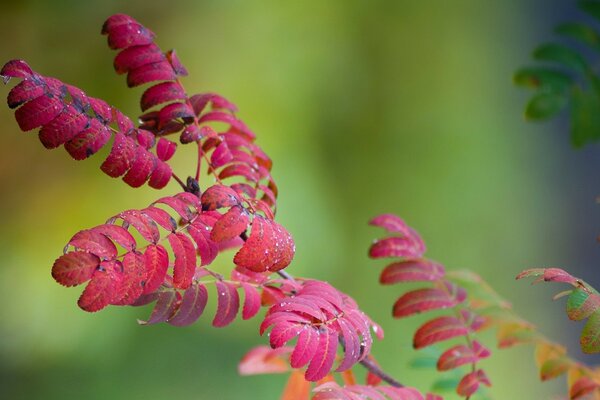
x=228 y=302
x=124 y=31
x=263 y=360
x=437 y=330
x=102 y=110
x=161 y=217
x=134 y=276
x=412 y=271
x=392 y=224
x=199 y=102
x=25 y=91
x=165 y=149
x=102 y=288
x=141 y=168
x=176 y=64
x=232 y=224
x=160 y=176
x=218 y=116
x=549 y=275
x=191 y=133
x=219 y=196
x=137 y=56
x=192 y=306
x=178 y=205
x=221 y=156
x=38 y=112
x=117 y=234
x=161 y=93
x=305 y=348
x=88 y=141
x=421 y=300
x=207 y=248
x=251 y=301
x=15 y=69
x=74 y=268
x=254 y=254
x=460 y=355
x=94 y=242
x=158 y=71
x=142 y=223
x=352 y=350
x=185 y=260
x=469 y=384
x=322 y=361
x=166 y=305
x=156 y=262
x=63 y=128
x=145 y=138
x=238 y=169
x=173 y=112
x=121 y=156
x=404 y=247
x=582 y=386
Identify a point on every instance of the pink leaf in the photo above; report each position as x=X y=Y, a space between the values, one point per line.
x=124 y=31
x=233 y=223
x=322 y=361
x=219 y=196
x=221 y=156
x=15 y=69
x=160 y=176
x=161 y=217
x=228 y=303
x=404 y=247
x=437 y=330
x=38 y=112
x=251 y=301
x=461 y=355
x=102 y=288
x=134 y=276
x=166 y=305
x=185 y=260
x=88 y=141
x=161 y=93
x=121 y=156
x=305 y=348
x=192 y=306
x=141 y=168
x=74 y=268
x=421 y=300
x=469 y=384
x=94 y=242
x=156 y=262
x=137 y=56
x=176 y=64
x=412 y=271
x=142 y=223
x=117 y=234
x=63 y=128
x=165 y=149
x=158 y=71
x=25 y=91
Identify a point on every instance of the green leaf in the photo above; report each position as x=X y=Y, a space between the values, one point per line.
x=582 y=304
x=591 y=7
x=581 y=32
x=590 y=336
x=585 y=117
x=544 y=79
x=445 y=385
x=545 y=105
x=558 y=53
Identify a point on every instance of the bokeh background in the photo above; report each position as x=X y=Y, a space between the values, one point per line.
x=365 y=107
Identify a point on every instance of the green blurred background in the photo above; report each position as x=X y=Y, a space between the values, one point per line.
x=365 y=107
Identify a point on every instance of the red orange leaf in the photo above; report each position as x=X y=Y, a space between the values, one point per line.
x=74 y=268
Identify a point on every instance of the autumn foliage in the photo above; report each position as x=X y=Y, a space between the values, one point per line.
x=162 y=254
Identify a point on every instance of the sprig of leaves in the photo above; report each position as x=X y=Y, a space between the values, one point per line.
x=567 y=78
